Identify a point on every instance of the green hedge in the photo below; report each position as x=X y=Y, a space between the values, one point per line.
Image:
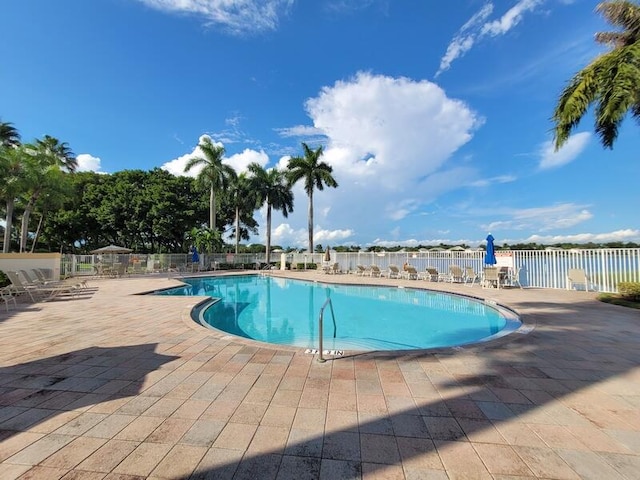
x=629 y=290
x=4 y=281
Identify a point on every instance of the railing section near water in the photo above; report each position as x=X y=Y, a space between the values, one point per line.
x=606 y=268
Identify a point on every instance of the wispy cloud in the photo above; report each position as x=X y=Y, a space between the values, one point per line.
x=564 y=215
x=236 y=16
x=549 y=158
x=478 y=27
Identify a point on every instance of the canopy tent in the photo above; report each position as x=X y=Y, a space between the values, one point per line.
x=112 y=249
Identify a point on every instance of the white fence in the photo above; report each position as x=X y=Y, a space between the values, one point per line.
x=539 y=268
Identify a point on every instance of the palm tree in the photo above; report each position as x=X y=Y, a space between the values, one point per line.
x=316 y=174
x=10 y=175
x=44 y=164
x=273 y=189
x=59 y=152
x=243 y=199
x=9 y=136
x=11 y=184
x=214 y=174
x=611 y=81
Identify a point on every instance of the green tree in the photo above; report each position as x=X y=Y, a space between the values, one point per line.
x=243 y=199
x=43 y=162
x=9 y=135
x=611 y=82
x=316 y=174
x=53 y=198
x=59 y=152
x=11 y=185
x=273 y=190
x=10 y=168
x=214 y=175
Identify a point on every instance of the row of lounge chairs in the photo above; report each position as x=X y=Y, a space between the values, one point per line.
x=455 y=274
x=35 y=284
x=490 y=277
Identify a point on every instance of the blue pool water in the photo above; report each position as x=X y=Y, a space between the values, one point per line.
x=285 y=311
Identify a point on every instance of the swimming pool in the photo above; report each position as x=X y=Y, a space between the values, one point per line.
x=285 y=311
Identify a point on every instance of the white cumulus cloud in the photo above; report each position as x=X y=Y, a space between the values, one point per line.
x=88 y=163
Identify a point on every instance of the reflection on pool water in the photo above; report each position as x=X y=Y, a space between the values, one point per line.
x=285 y=311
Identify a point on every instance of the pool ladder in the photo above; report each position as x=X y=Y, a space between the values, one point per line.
x=328 y=302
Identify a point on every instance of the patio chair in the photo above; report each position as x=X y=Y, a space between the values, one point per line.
x=431 y=274
x=514 y=278
x=374 y=271
x=491 y=277
x=470 y=276
x=18 y=286
x=394 y=272
x=360 y=270
x=7 y=296
x=456 y=275
x=577 y=276
x=410 y=273
x=335 y=268
x=44 y=292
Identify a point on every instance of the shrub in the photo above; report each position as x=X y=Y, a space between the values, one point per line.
x=629 y=290
x=4 y=281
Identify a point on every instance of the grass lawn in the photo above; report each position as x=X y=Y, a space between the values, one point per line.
x=618 y=300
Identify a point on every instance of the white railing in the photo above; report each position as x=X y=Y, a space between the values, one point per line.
x=539 y=268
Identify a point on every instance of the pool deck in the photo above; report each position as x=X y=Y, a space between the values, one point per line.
x=114 y=385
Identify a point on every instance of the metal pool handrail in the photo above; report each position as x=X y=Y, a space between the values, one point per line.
x=321 y=359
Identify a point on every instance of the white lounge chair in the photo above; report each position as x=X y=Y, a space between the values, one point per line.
x=456 y=275
x=410 y=273
x=394 y=272
x=470 y=276
x=491 y=277
x=431 y=274
x=577 y=276
x=6 y=296
x=374 y=271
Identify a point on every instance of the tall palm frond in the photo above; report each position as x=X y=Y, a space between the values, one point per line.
x=315 y=173
x=214 y=175
x=273 y=189
x=611 y=82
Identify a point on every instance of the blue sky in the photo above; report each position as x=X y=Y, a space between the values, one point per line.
x=434 y=115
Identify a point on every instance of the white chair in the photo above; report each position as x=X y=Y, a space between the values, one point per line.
x=491 y=277
x=577 y=276
x=394 y=272
x=470 y=276
x=514 y=278
x=7 y=296
x=456 y=274
x=410 y=273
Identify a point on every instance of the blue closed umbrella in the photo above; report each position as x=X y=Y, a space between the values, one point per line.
x=490 y=256
x=195 y=258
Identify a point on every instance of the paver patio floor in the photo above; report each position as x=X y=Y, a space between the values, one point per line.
x=115 y=385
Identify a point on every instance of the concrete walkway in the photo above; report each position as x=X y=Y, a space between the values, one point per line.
x=115 y=385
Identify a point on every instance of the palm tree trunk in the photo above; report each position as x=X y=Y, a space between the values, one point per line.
x=267 y=252
x=35 y=238
x=7 y=227
x=310 y=222
x=212 y=209
x=24 y=230
x=237 y=228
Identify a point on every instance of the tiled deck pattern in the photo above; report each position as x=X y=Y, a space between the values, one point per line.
x=118 y=386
